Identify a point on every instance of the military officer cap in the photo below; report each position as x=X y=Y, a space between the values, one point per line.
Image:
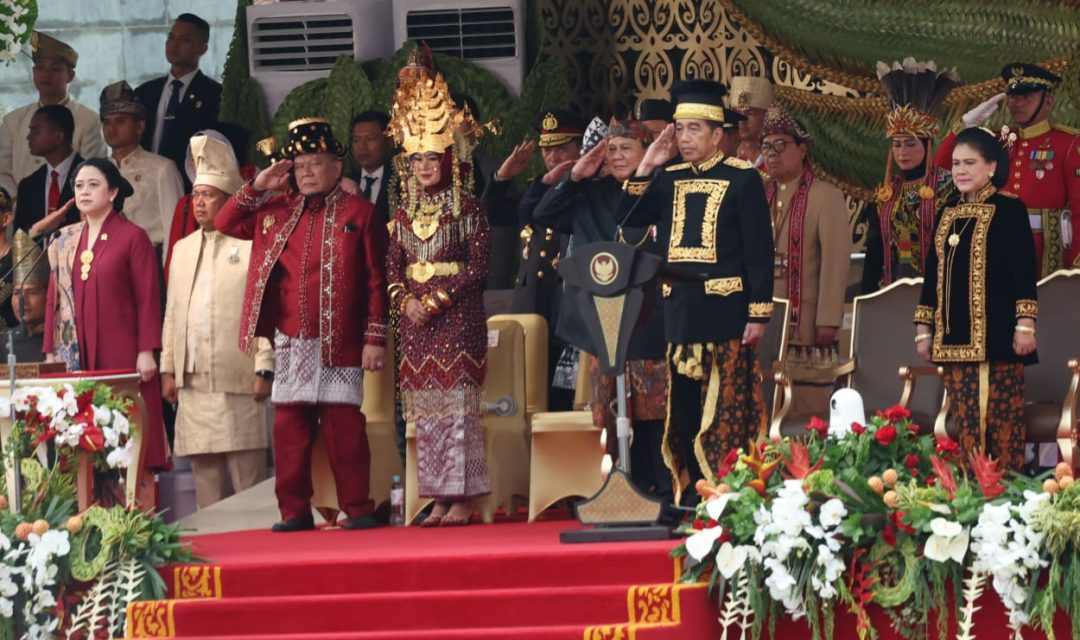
x=558 y=126
x=119 y=97
x=751 y=92
x=655 y=109
x=704 y=100
x=45 y=46
x=1022 y=77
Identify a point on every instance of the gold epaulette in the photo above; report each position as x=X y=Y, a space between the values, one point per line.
x=679 y=167
x=738 y=163
x=1067 y=129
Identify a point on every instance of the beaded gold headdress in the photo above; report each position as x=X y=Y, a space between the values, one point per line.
x=424 y=117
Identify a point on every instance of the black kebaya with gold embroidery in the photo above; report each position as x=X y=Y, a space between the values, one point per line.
x=980 y=279
x=713 y=221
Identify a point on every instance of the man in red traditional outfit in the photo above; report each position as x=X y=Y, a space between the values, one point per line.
x=317 y=288
x=1044 y=159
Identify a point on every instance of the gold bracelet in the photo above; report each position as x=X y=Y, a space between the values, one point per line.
x=443 y=299
x=429 y=303
x=1022 y=329
x=404 y=303
x=923 y=336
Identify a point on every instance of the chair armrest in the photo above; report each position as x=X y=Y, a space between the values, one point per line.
x=910 y=375
x=783 y=389
x=1066 y=432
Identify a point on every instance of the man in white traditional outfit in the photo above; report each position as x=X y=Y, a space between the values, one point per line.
x=54 y=69
x=221 y=426
x=157 y=183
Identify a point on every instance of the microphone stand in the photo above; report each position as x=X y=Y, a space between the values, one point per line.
x=16 y=465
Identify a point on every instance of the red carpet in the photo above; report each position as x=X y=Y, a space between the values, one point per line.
x=511 y=580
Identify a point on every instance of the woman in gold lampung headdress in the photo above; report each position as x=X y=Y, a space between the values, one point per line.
x=438 y=261
x=902 y=222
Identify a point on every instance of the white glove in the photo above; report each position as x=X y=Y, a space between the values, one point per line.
x=982 y=111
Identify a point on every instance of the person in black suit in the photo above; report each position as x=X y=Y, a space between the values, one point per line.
x=185 y=101
x=39 y=205
x=371 y=151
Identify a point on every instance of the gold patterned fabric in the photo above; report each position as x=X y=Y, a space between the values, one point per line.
x=986 y=402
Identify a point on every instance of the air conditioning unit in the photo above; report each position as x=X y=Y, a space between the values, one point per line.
x=490 y=33
x=290 y=43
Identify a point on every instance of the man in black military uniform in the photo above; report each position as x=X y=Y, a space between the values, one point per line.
x=537 y=284
x=655 y=114
x=713 y=218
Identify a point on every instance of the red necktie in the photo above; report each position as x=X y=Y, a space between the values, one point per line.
x=54 y=192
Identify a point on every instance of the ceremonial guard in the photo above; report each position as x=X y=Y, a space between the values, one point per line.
x=317 y=287
x=813 y=252
x=751 y=96
x=1044 y=162
x=713 y=218
x=901 y=221
x=977 y=312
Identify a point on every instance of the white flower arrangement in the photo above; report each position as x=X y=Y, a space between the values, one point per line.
x=31 y=568
x=15 y=16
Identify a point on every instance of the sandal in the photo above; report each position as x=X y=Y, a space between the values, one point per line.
x=452 y=520
x=432 y=521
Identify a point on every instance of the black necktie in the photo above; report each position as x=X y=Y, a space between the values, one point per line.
x=169 y=121
x=369 y=181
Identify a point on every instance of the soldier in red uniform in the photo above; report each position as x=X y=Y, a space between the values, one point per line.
x=317 y=288
x=1044 y=159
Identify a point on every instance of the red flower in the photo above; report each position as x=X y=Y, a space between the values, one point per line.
x=699 y=524
x=858 y=428
x=946 y=445
x=896 y=518
x=896 y=413
x=889 y=535
x=931 y=481
x=819 y=426
x=913 y=429
x=729 y=463
x=885 y=435
x=92 y=438
x=911 y=461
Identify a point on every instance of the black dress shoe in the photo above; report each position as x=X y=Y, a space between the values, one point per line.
x=360 y=522
x=302 y=523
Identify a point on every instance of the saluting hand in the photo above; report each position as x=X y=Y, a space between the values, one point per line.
x=589 y=164
x=52 y=221
x=659 y=152
x=518 y=160
x=557 y=172
x=275 y=177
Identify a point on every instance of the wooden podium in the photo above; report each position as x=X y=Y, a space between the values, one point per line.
x=125 y=384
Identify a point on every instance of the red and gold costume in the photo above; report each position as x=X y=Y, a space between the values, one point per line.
x=1044 y=172
x=440 y=254
x=316 y=287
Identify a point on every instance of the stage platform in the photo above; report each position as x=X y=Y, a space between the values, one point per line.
x=506 y=580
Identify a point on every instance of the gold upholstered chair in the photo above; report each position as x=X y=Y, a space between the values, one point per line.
x=882 y=364
x=536 y=358
x=505 y=438
x=566 y=450
x=378 y=408
x=1050 y=408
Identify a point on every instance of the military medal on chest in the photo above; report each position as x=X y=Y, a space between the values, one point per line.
x=1042 y=159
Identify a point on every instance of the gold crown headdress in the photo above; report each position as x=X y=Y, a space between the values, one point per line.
x=424 y=117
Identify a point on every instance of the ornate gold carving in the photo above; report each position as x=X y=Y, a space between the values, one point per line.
x=714 y=190
x=975 y=349
x=924 y=314
x=655 y=604
x=761 y=309
x=723 y=286
x=610 y=312
x=1027 y=308
x=423 y=271
x=151 y=619
x=196 y=581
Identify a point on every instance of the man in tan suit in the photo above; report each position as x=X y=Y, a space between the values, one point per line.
x=813 y=252
x=221 y=425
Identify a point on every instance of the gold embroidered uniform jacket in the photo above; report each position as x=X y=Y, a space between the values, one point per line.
x=713 y=221
x=980 y=279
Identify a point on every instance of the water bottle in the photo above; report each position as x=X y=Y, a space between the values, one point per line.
x=397 y=502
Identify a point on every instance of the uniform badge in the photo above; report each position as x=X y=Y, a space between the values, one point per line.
x=234 y=255
x=604 y=268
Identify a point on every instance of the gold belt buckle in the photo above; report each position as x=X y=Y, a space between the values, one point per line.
x=422 y=271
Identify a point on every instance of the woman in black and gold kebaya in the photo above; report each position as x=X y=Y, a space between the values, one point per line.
x=977 y=312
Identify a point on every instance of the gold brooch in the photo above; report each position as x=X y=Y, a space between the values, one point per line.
x=86 y=258
x=267 y=223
